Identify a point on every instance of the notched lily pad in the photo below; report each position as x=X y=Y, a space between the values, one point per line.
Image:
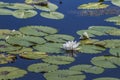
x=10 y=73
x=52 y=15
x=38 y=30
x=106 y=61
x=59 y=60
x=42 y=67
x=106 y=78
x=33 y=55
x=6 y=58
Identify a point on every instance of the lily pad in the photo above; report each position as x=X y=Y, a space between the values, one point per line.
x=49 y=48
x=87 y=68
x=116 y=2
x=60 y=38
x=115 y=51
x=38 y=30
x=59 y=60
x=3 y=4
x=33 y=55
x=42 y=67
x=19 y=6
x=34 y=1
x=106 y=61
x=64 y=75
x=23 y=14
x=106 y=78
x=49 y=7
x=114 y=32
x=52 y=15
x=91 y=49
x=88 y=41
x=113 y=19
x=5 y=12
x=93 y=5
x=10 y=73
x=6 y=58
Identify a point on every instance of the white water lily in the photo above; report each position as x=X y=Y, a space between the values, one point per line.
x=71 y=45
x=84 y=36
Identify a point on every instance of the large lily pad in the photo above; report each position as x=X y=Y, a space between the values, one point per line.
x=115 y=51
x=64 y=75
x=59 y=60
x=10 y=73
x=38 y=30
x=60 y=38
x=52 y=15
x=106 y=61
x=49 y=48
x=88 y=68
x=93 y=5
x=23 y=14
x=33 y=55
x=106 y=78
x=116 y=2
x=5 y=12
x=42 y=67
x=6 y=58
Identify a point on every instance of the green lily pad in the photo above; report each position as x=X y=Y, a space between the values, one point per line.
x=116 y=2
x=49 y=7
x=60 y=38
x=113 y=19
x=6 y=58
x=52 y=15
x=91 y=49
x=42 y=67
x=59 y=60
x=106 y=61
x=115 y=51
x=10 y=73
x=88 y=41
x=106 y=78
x=49 y=48
x=38 y=30
x=64 y=75
x=88 y=68
x=114 y=32
x=3 y=4
x=93 y=5
x=23 y=14
x=5 y=12
x=34 y=1
x=19 y=6
x=5 y=47
x=33 y=55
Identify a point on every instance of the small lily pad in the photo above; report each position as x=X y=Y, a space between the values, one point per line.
x=106 y=78
x=34 y=1
x=23 y=14
x=6 y=58
x=59 y=60
x=33 y=55
x=52 y=15
x=106 y=61
x=88 y=68
x=38 y=30
x=116 y=2
x=93 y=5
x=10 y=73
x=42 y=67
x=64 y=75
x=113 y=19
x=115 y=51
x=5 y=12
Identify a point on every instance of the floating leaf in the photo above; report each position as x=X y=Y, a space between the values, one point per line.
x=64 y=75
x=88 y=68
x=49 y=7
x=6 y=58
x=10 y=73
x=52 y=15
x=115 y=51
x=3 y=4
x=38 y=30
x=19 y=6
x=88 y=41
x=113 y=19
x=91 y=49
x=23 y=14
x=106 y=78
x=42 y=67
x=34 y=1
x=116 y=2
x=58 y=60
x=93 y=5
x=106 y=61
x=60 y=38
x=114 y=32
x=33 y=55
x=5 y=12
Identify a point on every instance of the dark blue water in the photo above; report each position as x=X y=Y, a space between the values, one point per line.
x=69 y=25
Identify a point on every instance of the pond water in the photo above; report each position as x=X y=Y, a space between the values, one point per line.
x=74 y=20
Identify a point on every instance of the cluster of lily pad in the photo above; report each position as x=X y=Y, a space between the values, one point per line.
x=29 y=9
